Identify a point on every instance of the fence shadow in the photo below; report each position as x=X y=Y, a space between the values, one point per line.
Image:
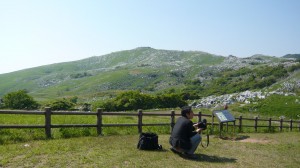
x=238 y=138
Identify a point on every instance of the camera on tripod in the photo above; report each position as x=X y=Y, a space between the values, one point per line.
x=202 y=124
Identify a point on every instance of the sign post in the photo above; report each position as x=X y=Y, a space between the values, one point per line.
x=224 y=116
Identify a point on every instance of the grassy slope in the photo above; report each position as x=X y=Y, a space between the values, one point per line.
x=118 y=70
x=120 y=151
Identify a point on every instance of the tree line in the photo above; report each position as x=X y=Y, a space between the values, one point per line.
x=127 y=100
x=133 y=100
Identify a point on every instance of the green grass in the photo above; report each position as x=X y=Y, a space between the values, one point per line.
x=259 y=150
x=10 y=136
x=274 y=106
x=81 y=147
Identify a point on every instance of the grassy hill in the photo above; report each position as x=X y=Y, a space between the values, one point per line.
x=297 y=56
x=146 y=69
x=139 y=68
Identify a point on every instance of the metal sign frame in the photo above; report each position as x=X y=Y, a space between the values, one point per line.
x=224 y=116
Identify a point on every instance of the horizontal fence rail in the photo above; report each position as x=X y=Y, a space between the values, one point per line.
x=99 y=123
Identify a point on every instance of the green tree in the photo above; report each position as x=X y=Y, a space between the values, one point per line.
x=133 y=100
x=74 y=99
x=170 y=101
x=19 y=100
x=62 y=104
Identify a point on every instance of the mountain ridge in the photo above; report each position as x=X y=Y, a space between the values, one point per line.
x=142 y=68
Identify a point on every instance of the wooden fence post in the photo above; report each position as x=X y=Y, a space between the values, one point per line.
x=48 y=122
x=99 y=121
x=255 y=124
x=140 y=121
x=280 y=127
x=240 y=123
x=270 y=124
x=212 y=123
x=199 y=117
x=291 y=124
x=172 y=120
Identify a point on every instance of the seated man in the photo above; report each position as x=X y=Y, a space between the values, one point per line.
x=184 y=137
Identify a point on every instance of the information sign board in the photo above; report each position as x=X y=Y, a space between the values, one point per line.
x=224 y=116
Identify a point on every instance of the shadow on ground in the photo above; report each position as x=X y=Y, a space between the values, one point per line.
x=239 y=138
x=211 y=159
x=207 y=158
x=242 y=137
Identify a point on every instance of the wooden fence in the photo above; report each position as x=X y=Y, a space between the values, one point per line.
x=99 y=124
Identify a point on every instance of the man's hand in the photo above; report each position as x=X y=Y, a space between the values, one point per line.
x=196 y=125
x=199 y=130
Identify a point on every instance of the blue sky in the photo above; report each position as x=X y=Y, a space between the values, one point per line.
x=41 y=32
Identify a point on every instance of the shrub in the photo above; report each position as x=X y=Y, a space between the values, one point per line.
x=62 y=104
x=134 y=100
x=19 y=100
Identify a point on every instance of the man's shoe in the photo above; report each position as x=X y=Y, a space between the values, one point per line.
x=174 y=150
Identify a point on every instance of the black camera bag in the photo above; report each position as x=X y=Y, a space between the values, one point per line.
x=148 y=141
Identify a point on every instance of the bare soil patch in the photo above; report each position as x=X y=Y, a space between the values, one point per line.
x=248 y=139
x=253 y=140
